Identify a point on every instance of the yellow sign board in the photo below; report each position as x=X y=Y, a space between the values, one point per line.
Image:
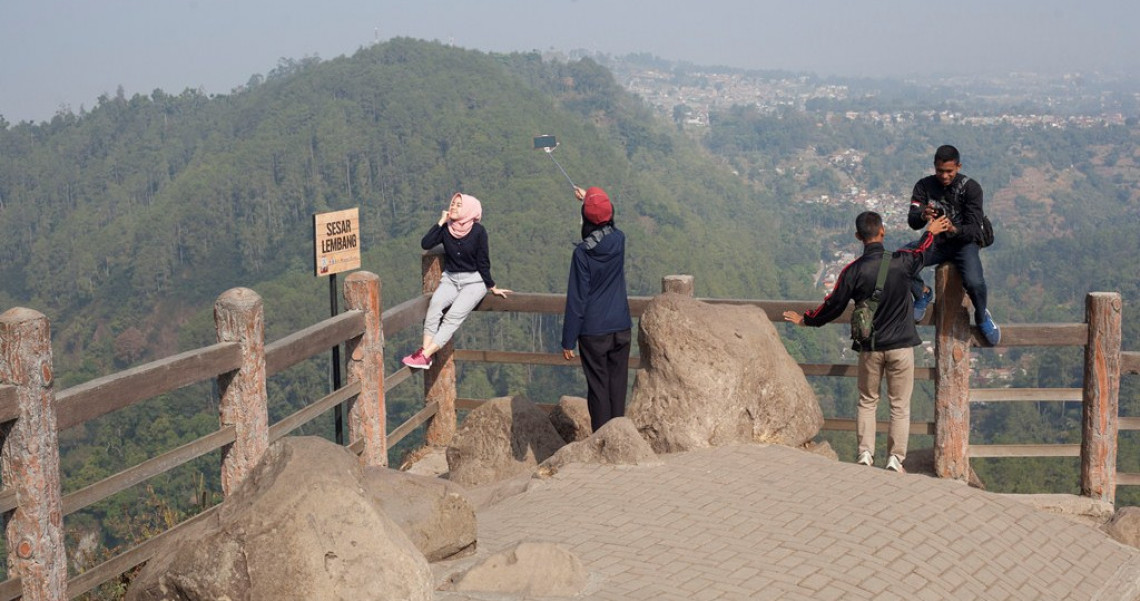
x=336 y=241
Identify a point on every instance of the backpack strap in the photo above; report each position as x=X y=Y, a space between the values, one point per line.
x=877 y=295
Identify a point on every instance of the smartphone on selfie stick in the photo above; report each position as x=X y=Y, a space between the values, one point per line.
x=547 y=143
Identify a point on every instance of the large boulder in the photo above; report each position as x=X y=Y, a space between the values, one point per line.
x=715 y=375
x=616 y=443
x=299 y=527
x=504 y=437
x=571 y=417
x=434 y=513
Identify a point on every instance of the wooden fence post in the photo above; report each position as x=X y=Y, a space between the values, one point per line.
x=239 y=317
x=364 y=360
x=951 y=376
x=1101 y=396
x=439 y=379
x=30 y=459
x=680 y=284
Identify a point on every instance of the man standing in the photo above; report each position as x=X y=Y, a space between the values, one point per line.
x=891 y=351
x=959 y=198
x=597 y=317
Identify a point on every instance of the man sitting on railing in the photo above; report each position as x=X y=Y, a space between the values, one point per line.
x=597 y=317
x=890 y=351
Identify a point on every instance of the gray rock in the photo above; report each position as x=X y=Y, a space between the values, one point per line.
x=503 y=438
x=434 y=513
x=532 y=569
x=616 y=443
x=299 y=527
x=1125 y=526
x=572 y=419
x=715 y=375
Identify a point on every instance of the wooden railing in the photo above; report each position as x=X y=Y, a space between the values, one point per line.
x=32 y=413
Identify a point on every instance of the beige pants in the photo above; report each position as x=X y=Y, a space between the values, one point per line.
x=898 y=366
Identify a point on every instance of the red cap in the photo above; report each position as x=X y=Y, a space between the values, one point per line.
x=597 y=207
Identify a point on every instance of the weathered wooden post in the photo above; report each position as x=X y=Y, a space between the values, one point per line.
x=439 y=379
x=239 y=317
x=29 y=459
x=365 y=364
x=951 y=376
x=680 y=284
x=1101 y=396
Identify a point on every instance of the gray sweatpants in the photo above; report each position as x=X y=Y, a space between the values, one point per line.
x=460 y=291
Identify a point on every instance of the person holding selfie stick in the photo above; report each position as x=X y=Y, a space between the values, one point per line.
x=466 y=277
x=597 y=318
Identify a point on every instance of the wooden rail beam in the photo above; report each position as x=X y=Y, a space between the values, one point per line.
x=850 y=425
x=1025 y=450
x=98 y=397
x=315 y=339
x=1130 y=362
x=996 y=395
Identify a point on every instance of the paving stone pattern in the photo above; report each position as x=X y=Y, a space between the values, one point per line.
x=770 y=522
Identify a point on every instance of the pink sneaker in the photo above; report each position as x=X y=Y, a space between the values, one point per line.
x=417 y=360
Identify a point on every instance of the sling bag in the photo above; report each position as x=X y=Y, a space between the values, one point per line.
x=863 y=317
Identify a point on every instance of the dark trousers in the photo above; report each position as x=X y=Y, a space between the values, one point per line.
x=964 y=256
x=605 y=359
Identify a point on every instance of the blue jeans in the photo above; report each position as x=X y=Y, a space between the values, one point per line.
x=964 y=256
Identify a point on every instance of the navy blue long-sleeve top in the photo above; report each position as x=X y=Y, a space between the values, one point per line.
x=469 y=253
x=596 y=300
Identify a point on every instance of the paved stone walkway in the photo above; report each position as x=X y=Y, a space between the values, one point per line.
x=770 y=522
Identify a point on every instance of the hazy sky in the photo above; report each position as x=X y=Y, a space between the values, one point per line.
x=65 y=53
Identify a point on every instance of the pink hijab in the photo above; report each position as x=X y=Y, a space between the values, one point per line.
x=469 y=214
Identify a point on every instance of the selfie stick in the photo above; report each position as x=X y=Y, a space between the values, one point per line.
x=550 y=153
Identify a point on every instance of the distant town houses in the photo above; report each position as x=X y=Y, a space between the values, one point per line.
x=701 y=92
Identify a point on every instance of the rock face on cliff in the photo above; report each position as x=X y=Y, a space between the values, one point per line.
x=300 y=527
x=503 y=438
x=715 y=375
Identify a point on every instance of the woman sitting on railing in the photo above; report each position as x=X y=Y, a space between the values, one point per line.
x=466 y=275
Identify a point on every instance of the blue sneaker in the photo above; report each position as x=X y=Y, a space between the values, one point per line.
x=922 y=303
x=990 y=329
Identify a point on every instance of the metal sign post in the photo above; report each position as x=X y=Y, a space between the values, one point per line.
x=336 y=246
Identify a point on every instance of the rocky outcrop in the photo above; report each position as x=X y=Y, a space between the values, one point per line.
x=572 y=419
x=715 y=375
x=504 y=437
x=529 y=569
x=616 y=443
x=434 y=513
x=299 y=527
x=1125 y=526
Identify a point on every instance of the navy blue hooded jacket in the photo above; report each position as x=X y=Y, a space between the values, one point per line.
x=596 y=301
